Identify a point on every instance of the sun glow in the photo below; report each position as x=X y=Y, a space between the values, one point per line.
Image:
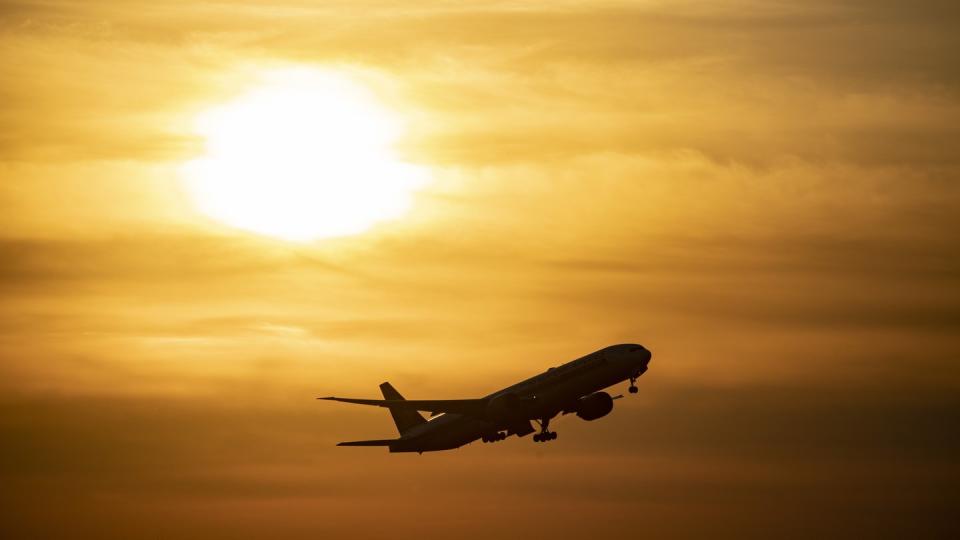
x=308 y=154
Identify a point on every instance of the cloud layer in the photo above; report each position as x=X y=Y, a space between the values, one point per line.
x=764 y=194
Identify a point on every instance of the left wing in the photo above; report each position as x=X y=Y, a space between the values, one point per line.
x=376 y=442
x=468 y=407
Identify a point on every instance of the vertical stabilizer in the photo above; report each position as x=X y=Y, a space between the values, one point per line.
x=403 y=418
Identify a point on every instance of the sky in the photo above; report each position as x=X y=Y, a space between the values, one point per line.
x=765 y=194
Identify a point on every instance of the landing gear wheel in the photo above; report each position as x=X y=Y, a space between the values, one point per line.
x=545 y=433
x=633 y=385
x=633 y=389
x=494 y=437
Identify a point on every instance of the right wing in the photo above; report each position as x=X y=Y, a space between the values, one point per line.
x=468 y=407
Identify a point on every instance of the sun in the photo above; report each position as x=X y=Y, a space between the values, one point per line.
x=306 y=154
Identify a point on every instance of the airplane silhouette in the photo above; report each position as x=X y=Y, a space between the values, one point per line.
x=575 y=387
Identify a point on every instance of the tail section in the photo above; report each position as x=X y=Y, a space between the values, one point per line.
x=402 y=417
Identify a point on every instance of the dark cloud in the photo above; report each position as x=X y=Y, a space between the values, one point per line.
x=151 y=258
x=878 y=283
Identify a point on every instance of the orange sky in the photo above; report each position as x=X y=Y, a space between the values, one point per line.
x=764 y=194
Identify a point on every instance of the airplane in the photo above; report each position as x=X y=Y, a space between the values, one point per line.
x=573 y=388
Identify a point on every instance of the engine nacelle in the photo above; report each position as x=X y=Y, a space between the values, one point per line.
x=596 y=405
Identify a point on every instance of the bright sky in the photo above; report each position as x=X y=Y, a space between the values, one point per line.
x=210 y=213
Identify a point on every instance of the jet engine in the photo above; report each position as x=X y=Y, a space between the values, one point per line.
x=596 y=405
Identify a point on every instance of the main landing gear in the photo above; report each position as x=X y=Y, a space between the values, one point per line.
x=633 y=385
x=494 y=437
x=544 y=437
x=545 y=433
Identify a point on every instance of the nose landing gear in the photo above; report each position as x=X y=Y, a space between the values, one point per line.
x=633 y=385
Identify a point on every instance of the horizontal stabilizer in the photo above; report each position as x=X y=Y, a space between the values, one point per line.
x=469 y=407
x=375 y=442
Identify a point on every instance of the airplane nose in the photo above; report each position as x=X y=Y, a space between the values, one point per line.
x=641 y=355
x=645 y=356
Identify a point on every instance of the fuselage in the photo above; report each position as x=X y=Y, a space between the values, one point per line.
x=544 y=396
